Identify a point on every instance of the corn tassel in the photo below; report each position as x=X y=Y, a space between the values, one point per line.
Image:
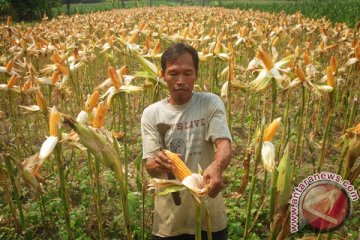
x=181 y=171
x=272 y=129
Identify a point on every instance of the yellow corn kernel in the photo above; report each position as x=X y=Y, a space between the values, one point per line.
x=300 y=73
x=9 y=65
x=40 y=100
x=61 y=68
x=330 y=77
x=297 y=50
x=55 y=77
x=92 y=101
x=272 y=129
x=99 y=117
x=266 y=59
x=114 y=78
x=181 y=171
x=54 y=121
x=12 y=81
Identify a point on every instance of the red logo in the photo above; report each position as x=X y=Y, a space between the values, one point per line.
x=325 y=206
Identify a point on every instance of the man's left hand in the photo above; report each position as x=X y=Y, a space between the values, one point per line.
x=213 y=177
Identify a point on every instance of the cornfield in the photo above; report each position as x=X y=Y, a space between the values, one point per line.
x=73 y=90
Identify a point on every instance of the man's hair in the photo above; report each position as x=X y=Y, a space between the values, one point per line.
x=174 y=51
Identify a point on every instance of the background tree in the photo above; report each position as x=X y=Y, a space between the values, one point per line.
x=29 y=10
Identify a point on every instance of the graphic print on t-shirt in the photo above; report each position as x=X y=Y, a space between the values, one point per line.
x=178 y=146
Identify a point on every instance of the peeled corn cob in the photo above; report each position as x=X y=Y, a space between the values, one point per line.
x=271 y=130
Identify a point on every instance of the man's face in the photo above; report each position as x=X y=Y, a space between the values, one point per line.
x=180 y=77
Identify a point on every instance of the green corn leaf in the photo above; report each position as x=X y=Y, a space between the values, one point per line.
x=284 y=179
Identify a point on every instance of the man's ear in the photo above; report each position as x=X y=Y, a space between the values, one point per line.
x=161 y=73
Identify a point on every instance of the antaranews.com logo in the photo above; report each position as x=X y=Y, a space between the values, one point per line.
x=323 y=201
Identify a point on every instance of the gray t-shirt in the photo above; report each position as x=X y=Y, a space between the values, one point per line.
x=194 y=127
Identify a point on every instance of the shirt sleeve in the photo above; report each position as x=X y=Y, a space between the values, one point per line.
x=150 y=136
x=217 y=126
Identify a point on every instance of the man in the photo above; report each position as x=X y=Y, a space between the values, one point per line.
x=196 y=124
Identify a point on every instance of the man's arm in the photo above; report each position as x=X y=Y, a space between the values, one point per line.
x=213 y=173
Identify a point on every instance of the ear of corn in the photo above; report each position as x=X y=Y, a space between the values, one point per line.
x=12 y=81
x=266 y=59
x=181 y=171
x=91 y=103
x=54 y=122
x=26 y=86
x=333 y=64
x=61 y=68
x=300 y=73
x=10 y=65
x=55 y=77
x=272 y=129
x=40 y=100
x=157 y=48
x=133 y=37
x=99 y=117
x=330 y=77
x=217 y=48
x=114 y=78
x=307 y=58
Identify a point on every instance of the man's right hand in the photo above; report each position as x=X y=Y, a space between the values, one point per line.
x=159 y=166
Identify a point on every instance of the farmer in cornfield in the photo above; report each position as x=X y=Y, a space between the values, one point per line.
x=192 y=125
